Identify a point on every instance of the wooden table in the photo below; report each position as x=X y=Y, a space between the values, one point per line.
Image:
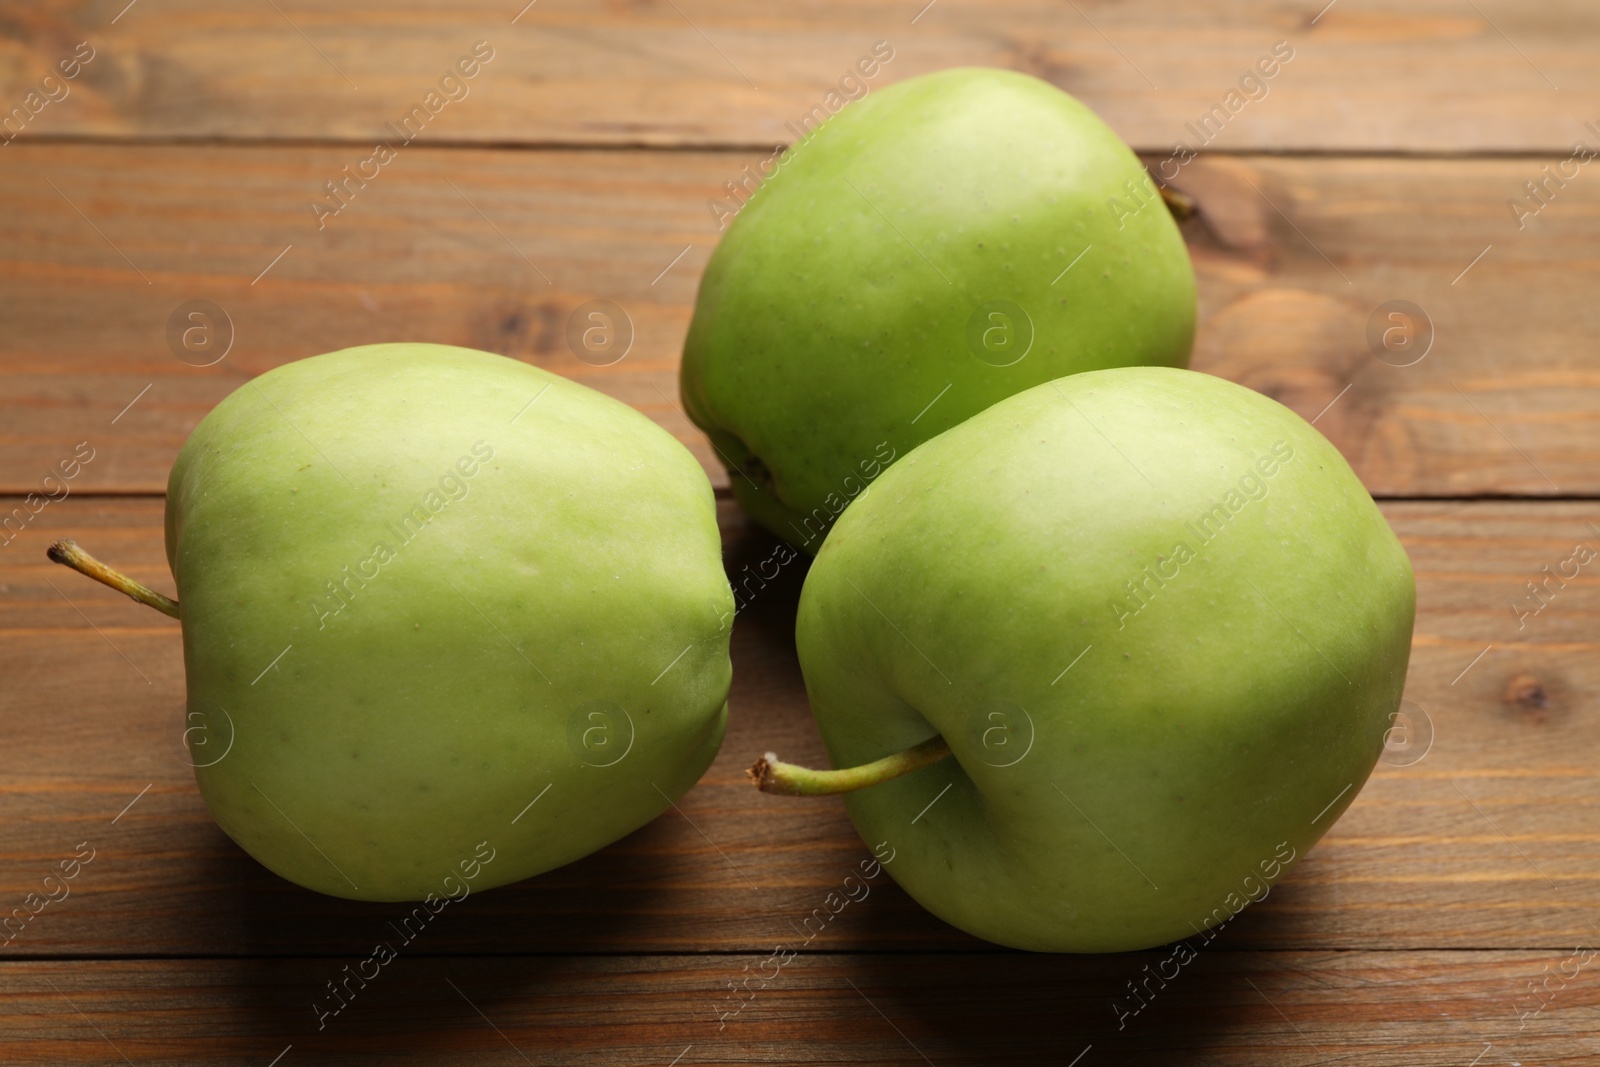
x=1448 y=918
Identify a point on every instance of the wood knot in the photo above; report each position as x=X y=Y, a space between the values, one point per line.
x=521 y=330
x=1526 y=692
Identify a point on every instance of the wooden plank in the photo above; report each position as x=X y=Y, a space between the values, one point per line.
x=496 y=250
x=1487 y=841
x=1422 y=75
x=1258 y=1008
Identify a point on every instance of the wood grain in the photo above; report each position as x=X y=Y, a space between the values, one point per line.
x=1421 y=75
x=1487 y=842
x=1447 y=919
x=497 y=249
x=1391 y=1009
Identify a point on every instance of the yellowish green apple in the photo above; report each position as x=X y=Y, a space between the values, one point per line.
x=438 y=604
x=1098 y=660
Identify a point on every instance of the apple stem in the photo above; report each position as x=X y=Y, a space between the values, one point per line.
x=1182 y=206
x=68 y=554
x=772 y=775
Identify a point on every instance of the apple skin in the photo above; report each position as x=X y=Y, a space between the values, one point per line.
x=837 y=306
x=399 y=731
x=1241 y=707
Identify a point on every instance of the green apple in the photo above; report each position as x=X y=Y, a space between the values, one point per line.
x=934 y=248
x=1160 y=626
x=441 y=605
